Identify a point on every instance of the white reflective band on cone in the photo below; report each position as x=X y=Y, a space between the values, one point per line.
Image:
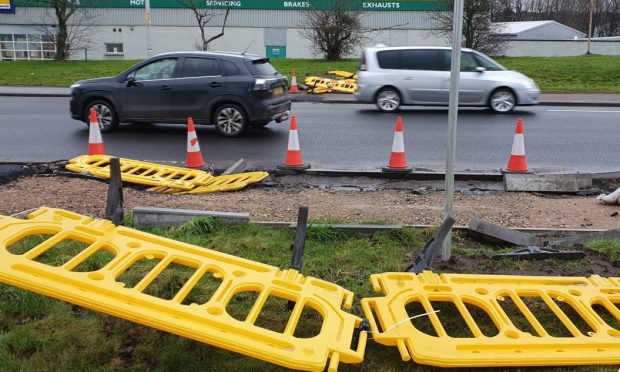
x=195 y=147
x=399 y=143
x=518 y=146
x=94 y=135
x=293 y=141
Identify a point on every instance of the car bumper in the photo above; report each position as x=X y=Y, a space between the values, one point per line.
x=279 y=111
x=528 y=96
x=365 y=93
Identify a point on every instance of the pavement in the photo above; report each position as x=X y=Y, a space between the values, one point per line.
x=585 y=99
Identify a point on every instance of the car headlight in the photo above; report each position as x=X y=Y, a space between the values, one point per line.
x=530 y=84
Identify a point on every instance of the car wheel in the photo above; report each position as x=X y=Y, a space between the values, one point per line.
x=502 y=101
x=106 y=115
x=388 y=100
x=261 y=123
x=230 y=120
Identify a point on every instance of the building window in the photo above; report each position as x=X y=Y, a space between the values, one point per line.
x=113 y=49
x=26 y=47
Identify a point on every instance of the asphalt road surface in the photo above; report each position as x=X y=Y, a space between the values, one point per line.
x=334 y=136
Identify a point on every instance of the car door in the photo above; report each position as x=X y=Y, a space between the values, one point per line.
x=200 y=81
x=423 y=75
x=147 y=93
x=473 y=84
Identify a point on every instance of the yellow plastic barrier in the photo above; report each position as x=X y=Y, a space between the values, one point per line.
x=230 y=182
x=345 y=74
x=141 y=172
x=318 y=85
x=163 y=178
x=207 y=321
x=504 y=316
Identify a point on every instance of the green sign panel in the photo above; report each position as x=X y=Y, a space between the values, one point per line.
x=255 y=4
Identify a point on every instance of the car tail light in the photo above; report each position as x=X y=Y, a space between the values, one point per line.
x=363 y=62
x=261 y=84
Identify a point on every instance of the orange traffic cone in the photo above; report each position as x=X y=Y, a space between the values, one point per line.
x=398 y=159
x=294 y=88
x=193 y=159
x=517 y=162
x=95 y=143
x=293 y=160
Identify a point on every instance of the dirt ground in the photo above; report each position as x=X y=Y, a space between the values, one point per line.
x=360 y=201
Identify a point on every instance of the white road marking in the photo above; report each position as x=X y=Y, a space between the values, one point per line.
x=601 y=111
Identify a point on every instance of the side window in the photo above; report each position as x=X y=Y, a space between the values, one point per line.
x=230 y=69
x=468 y=62
x=194 y=67
x=160 y=69
x=389 y=59
x=421 y=59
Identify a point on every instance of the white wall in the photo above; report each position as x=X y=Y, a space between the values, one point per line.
x=549 y=48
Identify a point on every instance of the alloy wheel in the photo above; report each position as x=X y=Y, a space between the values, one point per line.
x=502 y=101
x=230 y=121
x=388 y=100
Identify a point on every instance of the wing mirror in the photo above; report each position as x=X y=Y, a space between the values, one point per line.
x=481 y=69
x=130 y=81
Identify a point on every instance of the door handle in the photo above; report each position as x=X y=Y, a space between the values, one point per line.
x=215 y=85
x=165 y=87
x=408 y=78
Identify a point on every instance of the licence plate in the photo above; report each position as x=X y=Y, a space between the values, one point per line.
x=278 y=91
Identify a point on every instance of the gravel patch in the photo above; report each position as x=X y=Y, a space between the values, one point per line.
x=273 y=201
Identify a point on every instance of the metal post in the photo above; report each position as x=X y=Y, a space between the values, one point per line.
x=590 y=26
x=147 y=20
x=455 y=75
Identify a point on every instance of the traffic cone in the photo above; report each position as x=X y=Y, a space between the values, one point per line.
x=193 y=159
x=398 y=159
x=95 y=143
x=294 y=88
x=517 y=162
x=293 y=160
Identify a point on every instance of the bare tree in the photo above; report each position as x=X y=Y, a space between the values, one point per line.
x=71 y=26
x=203 y=17
x=478 y=31
x=336 y=31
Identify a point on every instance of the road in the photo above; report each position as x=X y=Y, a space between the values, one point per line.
x=335 y=136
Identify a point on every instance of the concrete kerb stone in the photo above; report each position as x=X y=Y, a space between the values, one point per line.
x=163 y=217
x=547 y=182
x=497 y=234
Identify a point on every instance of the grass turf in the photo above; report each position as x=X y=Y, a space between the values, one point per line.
x=581 y=74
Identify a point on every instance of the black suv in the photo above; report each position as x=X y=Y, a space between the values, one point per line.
x=230 y=90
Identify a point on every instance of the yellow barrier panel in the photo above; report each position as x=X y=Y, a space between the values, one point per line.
x=318 y=85
x=509 y=320
x=166 y=179
x=141 y=172
x=207 y=320
x=231 y=182
x=345 y=74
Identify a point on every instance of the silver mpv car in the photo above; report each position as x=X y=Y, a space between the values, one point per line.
x=395 y=76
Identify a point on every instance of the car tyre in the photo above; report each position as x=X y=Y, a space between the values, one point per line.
x=106 y=115
x=502 y=101
x=230 y=120
x=388 y=100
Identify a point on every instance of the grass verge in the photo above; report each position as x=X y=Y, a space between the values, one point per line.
x=581 y=74
x=38 y=333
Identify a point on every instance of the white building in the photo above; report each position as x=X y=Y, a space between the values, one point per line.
x=266 y=27
x=537 y=30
